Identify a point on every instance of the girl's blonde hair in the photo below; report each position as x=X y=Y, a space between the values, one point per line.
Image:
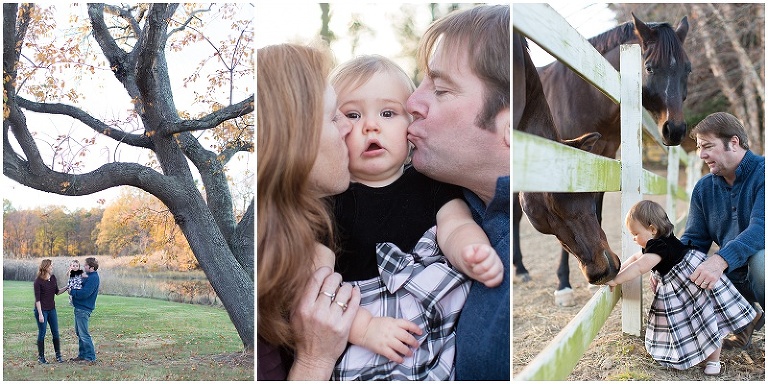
x=291 y=82
x=356 y=72
x=43 y=267
x=649 y=213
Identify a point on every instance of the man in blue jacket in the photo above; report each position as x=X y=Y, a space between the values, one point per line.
x=84 y=301
x=728 y=208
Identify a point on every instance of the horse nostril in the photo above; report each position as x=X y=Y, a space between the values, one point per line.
x=672 y=134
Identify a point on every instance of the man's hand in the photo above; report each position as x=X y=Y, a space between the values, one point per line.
x=652 y=282
x=709 y=271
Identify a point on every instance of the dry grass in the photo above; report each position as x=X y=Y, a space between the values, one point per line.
x=613 y=355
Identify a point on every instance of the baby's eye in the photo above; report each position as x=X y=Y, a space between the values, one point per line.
x=353 y=115
x=387 y=114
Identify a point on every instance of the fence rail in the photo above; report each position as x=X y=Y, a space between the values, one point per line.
x=579 y=171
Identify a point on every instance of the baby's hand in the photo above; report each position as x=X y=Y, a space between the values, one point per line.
x=483 y=264
x=391 y=338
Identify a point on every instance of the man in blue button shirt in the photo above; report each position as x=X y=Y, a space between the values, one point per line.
x=728 y=208
x=84 y=301
x=461 y=134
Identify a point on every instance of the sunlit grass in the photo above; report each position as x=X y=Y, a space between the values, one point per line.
x=135 y=338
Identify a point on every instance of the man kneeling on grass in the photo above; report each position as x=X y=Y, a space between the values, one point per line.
x=84 y=301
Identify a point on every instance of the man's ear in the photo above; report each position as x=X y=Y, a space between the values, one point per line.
x=503 y=121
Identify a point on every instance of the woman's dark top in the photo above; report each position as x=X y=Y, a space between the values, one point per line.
x=45 y=292
x=398 y=213
x=671 y=250
x=273 y=364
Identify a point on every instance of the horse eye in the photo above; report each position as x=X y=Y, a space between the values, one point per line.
x=649 y=69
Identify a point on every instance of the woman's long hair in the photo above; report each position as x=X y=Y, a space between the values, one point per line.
x=291 y=81
x=43 y=270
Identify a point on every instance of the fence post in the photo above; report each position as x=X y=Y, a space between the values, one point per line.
x=673 y=173
x=631 y=177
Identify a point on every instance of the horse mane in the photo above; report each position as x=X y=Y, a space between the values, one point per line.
x=667 y=44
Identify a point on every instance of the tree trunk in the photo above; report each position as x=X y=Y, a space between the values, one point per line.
x=224 y=249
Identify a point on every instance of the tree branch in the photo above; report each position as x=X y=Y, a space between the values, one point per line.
x=211 y=169
x=191 y=17
x=213 y=119
x=117 y=57
x=242 y=244
x=126 y=14
x=107 y=176
x=154 y=82
x=234 y=148
x=141 y=141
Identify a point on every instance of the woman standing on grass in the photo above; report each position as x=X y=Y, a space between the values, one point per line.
x=46 y=290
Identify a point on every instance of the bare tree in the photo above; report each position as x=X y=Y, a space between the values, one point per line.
x=134 y=41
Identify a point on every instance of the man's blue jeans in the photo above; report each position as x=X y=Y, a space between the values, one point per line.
x=86 y=350
x=49 y=317
x=749 y=279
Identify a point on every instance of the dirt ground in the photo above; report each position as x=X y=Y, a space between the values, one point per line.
x=613 y=355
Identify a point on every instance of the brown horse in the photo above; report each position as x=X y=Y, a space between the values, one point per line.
x=571 y=217
x=578 y=107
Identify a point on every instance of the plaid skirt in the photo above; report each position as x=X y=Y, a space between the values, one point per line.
x=686 y=323
x=420 y=287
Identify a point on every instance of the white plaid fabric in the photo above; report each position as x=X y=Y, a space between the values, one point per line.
x=420 y=287
x=75 y=282
x=686 y=323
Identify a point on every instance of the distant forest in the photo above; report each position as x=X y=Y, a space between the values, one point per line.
x=135 y=224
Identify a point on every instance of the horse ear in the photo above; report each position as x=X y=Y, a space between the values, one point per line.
x=584 y=142
x=641 y=30
x=682 y=29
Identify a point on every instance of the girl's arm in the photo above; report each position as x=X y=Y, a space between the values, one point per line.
x=465 y=244
x=635 y=267
x=386 y=336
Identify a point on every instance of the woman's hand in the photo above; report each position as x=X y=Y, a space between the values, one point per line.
x=322 y=321
x=40 y=318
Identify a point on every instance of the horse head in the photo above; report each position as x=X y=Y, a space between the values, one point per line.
x=665 y=75
x=572 y=218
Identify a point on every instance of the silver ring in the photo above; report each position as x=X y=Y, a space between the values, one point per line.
x=704 y=284
x=331 y=295
x=342 y=305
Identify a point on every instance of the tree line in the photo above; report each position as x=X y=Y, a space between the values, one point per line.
x=135 y=224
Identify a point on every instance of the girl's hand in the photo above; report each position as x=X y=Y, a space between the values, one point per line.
x=40 y=318
x=483 y=264
x=391 y=338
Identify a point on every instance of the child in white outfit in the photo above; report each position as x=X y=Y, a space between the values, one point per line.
x=687 y=322
x=76 y=276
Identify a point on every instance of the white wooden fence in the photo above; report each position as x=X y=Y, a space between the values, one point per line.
x=540 y=165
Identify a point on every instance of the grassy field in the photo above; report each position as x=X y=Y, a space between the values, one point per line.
x=135 y=339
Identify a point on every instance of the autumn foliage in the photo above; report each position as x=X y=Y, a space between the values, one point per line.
x=136 y=224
